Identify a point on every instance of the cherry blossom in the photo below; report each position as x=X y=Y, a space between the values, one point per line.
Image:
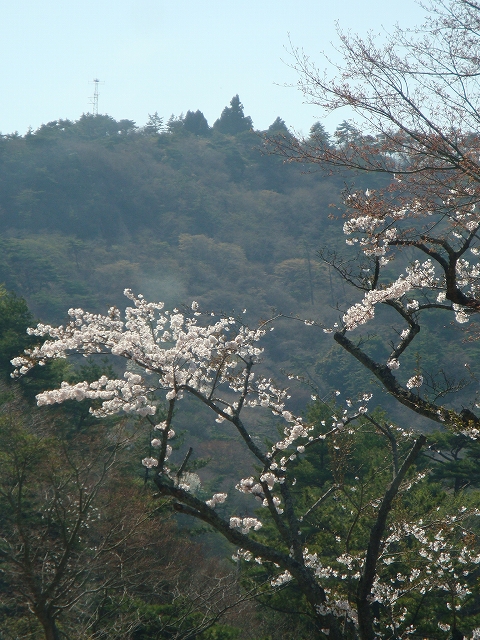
x=217 y=360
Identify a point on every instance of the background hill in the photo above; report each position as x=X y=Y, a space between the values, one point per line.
x=179 y=212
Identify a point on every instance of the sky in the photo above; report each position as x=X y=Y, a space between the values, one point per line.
x=169 y=57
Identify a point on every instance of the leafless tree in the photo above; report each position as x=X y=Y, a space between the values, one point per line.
x=81 y=543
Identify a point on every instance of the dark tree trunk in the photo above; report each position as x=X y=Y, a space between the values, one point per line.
x=49 y=625
x=364 y=608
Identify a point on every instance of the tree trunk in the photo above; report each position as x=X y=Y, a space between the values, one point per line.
x=49 y=625
x=364 y=608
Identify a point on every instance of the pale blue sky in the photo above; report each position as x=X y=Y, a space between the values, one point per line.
x=169 y=57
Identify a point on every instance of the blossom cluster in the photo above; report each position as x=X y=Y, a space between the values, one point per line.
x=171 y=350
x=418 y=557
x=298 y=430
x=281 y=579
x=245 y=524
x=439 y=561
x=457 y=207
x=250 y=485
x=418 y=275
x=169 y=354
x=414 y=382
x=129 y=395
x=217 y=498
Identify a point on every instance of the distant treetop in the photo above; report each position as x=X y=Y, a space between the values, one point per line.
x=278 y=126
x=195 y=122
x=318 y=134
x=88 y=127
x=233 y=120
x=154 y=124
x=346 y=133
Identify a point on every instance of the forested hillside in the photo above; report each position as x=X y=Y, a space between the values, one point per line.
x=94 y=208
x=176 y=212
x=229 y=227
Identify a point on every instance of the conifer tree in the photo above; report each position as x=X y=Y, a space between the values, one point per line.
x=233 y=120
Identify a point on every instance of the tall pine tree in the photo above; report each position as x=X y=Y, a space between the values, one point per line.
x=233 y=120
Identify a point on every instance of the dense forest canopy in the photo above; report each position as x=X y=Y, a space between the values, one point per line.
x=175 y=211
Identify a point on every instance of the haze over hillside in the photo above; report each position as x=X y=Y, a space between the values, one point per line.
x=178 y=211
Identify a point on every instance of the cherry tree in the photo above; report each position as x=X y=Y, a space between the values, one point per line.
x=416 y=235
x=413 y=241
x=217 y=361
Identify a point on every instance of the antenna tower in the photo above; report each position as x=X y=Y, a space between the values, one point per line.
x=94 y=98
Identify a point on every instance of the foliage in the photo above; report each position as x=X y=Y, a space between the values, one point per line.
x=51 y=492
x=154 y=124
x=233 y=120
x=173 y=215
x=391 y=533
x=15 y=318
x=84 y=551
x=278 y=127
x=362 y=517
x=196 y=123
x=319 y=134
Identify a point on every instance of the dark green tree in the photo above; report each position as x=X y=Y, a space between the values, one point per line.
x=346 y=133
x=126 y=126
x=319 y=135
x=50 y=131
x=15 y=318
x=278 y=127
x=196 y=123
x=233 y=120
x=99 y=126
x=175 y=123
x=456 y=460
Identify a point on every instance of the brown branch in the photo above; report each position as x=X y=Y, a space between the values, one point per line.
x=365 y=616
x=405 y=396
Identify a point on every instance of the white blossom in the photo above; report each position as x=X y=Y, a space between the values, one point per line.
x=393 y=364
x=217 y=498
x=150 y=462
x=415 y=381
x=245 y=524
x=281 y=579
x=418 y=275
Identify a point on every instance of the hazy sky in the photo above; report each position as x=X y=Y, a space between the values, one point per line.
x=169 y=57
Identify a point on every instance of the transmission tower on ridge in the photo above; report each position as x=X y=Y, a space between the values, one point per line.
x=94 y=98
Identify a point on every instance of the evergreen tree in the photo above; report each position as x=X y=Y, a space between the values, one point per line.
x=50 y=131
x=319 y=135
x=175 y=123
x=196 y=123
x=98 y=126
x=154 y=124
x=233 y=120
x=346 y=133
x=15 y=318
x=278 y=127
x=456 y=459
